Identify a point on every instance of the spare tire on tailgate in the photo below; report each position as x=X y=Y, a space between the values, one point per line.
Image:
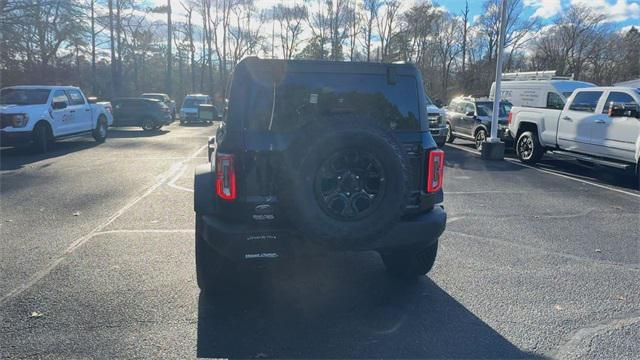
x=346 y=182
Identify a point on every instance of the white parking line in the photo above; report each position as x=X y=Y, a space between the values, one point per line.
x=172 y=182
x=145 y=231
x=516 y=162
x=161 y=179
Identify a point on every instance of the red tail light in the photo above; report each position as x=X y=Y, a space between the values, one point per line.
x=435 y=170
x=509 y=118
x=225 y=177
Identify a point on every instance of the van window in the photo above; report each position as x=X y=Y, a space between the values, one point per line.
x=620 y=98
x=554 y=101
x=304 y=97
x=586 y=101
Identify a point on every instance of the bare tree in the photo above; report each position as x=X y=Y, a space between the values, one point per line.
x=386 y=25
x=290 y=20
x=370 y=10
x=447 y=38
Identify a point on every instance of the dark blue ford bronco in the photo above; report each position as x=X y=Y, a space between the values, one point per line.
x=316 y=156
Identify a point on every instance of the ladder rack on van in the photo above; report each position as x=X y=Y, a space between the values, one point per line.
x=534 y=75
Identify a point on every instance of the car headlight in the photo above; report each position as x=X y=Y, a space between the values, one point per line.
x=19 y=120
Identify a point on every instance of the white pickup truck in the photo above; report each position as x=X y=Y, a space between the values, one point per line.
x=597 y=125
x=41 y=114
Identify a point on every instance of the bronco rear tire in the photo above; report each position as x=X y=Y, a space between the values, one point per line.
x=410 y=263
x=213 y=270
x=347 y=183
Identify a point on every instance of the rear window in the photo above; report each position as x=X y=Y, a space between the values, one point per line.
x=193 y=102
x=306 y=97
x=154 y=96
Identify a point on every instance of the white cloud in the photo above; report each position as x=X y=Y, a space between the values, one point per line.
x=544 y=8
x=620 y=10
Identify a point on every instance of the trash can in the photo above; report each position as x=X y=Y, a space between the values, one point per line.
x=207 y=113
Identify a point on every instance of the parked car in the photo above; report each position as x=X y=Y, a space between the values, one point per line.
x=166 y=99
x=470 y=118
x=41 y=114
x=189 y=108
x=437 y=123
x=337 y=157
x=149 y=114
x=539 y=89
x=598 y=125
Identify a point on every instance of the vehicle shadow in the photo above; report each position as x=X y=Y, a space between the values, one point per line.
x=590 y=172
x=198 y=124
x=456 y=158
x=14 y=158
x=339 y=310
x=132 y=132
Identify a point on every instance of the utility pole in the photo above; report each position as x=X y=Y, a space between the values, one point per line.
x=493 y=148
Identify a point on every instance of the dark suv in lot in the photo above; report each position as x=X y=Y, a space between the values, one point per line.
x=317 y=156
x=470 y=118
x=149 y=114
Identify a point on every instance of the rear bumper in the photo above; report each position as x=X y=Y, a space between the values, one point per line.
x=13 y=138
x=243 y=241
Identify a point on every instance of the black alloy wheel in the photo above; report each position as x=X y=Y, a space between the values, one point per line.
x=350 y=184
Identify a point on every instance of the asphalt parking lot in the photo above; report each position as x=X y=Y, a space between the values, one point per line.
x=97 y=261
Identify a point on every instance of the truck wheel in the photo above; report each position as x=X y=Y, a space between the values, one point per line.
x=528 y=148
x=450 y=136
x=347 y=182
x=213 y=270
x=410 y=263
x=42 y=138
x=481 y=137
x=148 y=125
x=101 y=130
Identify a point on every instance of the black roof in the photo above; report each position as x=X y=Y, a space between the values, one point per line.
x=254 y=64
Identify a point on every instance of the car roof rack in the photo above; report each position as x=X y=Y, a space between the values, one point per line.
x=534 y=75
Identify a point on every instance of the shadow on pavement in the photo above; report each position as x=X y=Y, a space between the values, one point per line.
x=14 y=158
x=321 y=309
x=554 y=162
x=132 y=132
x=197 y=124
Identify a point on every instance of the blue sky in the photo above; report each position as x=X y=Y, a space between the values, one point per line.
x=619 y=13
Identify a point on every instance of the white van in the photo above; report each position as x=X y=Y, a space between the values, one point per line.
x=538 y=89
x=189 y=108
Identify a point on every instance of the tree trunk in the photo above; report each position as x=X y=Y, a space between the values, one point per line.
x=113 y=52
x=168 y=81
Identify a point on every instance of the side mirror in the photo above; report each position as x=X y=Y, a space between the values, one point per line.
x=59 y=105
x=471 y=113
x=92 y=99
